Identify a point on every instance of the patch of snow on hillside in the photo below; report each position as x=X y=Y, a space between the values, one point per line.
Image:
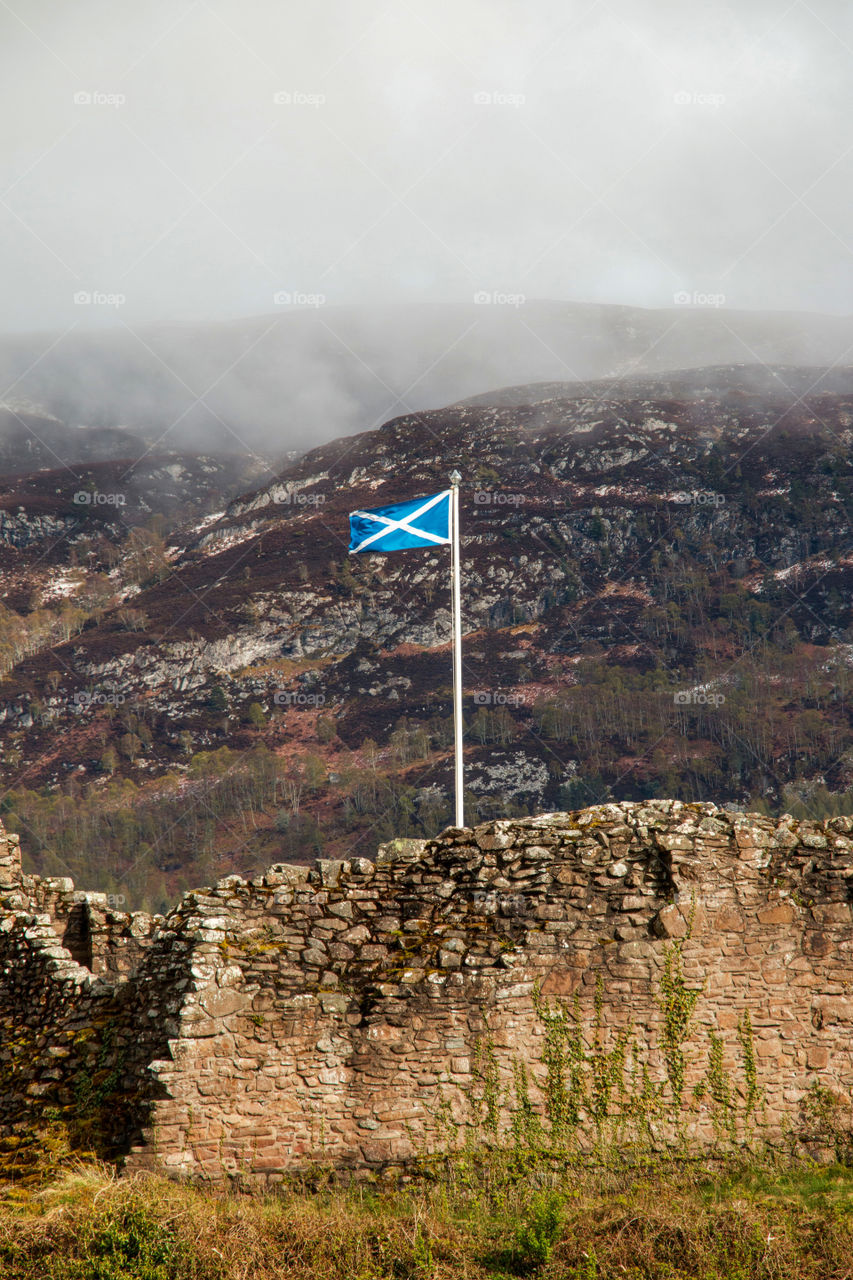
x=362 y=476
x=208 y=520
x=223 y=539
x=793 y=570
x=64 y=583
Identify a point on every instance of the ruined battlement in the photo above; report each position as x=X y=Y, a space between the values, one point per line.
x=324 y=1013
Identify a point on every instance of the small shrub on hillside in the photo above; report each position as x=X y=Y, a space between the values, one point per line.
x=255 y=715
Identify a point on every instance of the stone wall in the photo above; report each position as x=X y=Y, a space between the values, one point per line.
x=323 y=1014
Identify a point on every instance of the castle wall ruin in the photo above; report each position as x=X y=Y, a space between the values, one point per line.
x=323 y=1014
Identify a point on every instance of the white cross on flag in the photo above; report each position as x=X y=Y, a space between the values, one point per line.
x=422 y=522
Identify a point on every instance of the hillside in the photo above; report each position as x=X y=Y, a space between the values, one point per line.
x=657 y=602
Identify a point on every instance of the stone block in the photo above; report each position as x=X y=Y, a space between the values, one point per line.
x=489 y=840
x=373 y=952
x=224 y=1001
x=669 y=922
x=832 y=913
x=332 y=1002
x=828 y=1011
x=400 y=851
x=672 y=841
x=560 y=982
x=728 y=920
x=776 y=913
x=633 y=902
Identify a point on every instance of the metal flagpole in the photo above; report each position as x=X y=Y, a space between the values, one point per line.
x=455 y=594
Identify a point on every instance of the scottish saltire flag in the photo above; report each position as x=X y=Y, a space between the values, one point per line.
x=423 y=522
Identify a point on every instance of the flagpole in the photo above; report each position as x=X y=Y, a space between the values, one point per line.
x=456 y=611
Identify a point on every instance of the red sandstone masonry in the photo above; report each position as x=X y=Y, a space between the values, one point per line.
x=320 y=1015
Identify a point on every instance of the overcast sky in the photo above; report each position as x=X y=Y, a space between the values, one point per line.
x=201 y=160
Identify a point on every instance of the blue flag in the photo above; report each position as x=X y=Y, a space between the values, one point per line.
x=423 y=522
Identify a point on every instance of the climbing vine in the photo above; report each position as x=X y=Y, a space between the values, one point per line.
x=750 y=1070
x=604 y=1090
x=677 y=1003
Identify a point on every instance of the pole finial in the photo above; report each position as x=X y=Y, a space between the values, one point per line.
x=455 y=478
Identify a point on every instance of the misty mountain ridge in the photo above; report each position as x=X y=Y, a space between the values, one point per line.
x=298 y=377
x=705 y=403
x=736 y=382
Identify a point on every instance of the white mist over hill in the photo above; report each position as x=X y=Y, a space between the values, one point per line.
x=274 y=383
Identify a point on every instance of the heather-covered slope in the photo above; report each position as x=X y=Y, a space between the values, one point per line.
x=657 y=602
x=68 y=515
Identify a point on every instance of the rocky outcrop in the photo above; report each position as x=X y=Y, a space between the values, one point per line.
x=21 y=529
x=326 y=1013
